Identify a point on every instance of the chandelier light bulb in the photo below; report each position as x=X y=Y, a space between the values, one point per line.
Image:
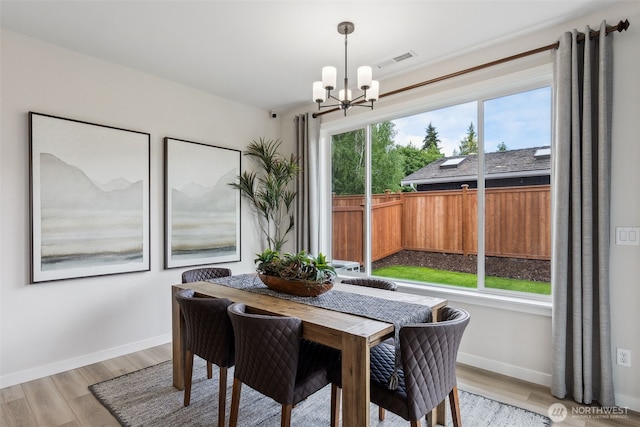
x=329 y=77
x=319 y=93
x=374 y=92
x=344 y=99
x=364 y=77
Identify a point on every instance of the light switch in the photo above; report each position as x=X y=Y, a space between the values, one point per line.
x=628 y=236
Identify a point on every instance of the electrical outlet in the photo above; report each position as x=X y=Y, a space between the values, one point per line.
x=628 y=236
x=623 y=357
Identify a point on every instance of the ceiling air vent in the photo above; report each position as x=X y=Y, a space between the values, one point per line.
x=396 y=59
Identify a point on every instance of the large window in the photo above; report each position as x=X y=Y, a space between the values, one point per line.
x=456 y=196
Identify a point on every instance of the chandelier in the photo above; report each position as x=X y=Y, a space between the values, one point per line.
x=322 y=89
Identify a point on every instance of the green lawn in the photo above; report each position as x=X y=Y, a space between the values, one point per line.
x=466 y=280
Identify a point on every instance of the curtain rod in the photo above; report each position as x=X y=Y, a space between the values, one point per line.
x=622 y=26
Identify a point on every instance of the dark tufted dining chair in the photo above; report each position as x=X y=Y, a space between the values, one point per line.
x=209 y=335
x=202 y=274
x=429 y=352
x=371 y=282
x=273 y=359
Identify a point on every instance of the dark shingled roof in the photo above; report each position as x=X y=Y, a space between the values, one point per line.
x=501 y=164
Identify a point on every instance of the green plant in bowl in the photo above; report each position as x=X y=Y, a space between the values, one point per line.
x=299 y=274
x=295 y=266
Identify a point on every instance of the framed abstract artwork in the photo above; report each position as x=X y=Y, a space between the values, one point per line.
x=202 y=211
x=89 y=199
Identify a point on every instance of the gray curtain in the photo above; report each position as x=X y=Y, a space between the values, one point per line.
x=307 y=218
x=582 y=359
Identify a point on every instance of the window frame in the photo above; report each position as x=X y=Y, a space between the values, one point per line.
x=483 y=89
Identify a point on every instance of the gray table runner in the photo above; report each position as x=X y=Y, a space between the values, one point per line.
x=397 y=312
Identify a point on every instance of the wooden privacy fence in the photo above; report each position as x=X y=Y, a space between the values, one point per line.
x=517 y=223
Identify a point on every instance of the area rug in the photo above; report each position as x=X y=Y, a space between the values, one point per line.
x=148 y=398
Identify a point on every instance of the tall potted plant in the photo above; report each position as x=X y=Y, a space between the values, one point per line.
x=269 y=190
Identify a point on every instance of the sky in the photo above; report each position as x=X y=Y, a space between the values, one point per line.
x=520 y=120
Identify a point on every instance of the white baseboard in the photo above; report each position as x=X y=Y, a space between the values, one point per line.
x=631 y=402
x=519 y=372
x=77 y=362
x=622 y=400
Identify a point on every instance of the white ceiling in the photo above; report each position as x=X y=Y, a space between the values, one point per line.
x=268 y=53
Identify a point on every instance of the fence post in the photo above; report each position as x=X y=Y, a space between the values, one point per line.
x=465 y=225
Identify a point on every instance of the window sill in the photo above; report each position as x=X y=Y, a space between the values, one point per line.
x=541 y=307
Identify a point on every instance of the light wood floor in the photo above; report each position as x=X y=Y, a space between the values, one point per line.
x=64 y=399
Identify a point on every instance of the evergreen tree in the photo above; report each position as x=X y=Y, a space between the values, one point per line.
x=431 y=140
x=468 y=145
x=502 y=146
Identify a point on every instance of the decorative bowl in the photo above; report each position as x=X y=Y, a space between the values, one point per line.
x=295 y=287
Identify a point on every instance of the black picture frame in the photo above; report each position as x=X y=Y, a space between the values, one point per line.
x=202 y=211
x=89 y=199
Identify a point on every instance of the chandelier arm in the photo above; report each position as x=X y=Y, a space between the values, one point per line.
x=361 y=104
x=333 y=97
x=338 y=106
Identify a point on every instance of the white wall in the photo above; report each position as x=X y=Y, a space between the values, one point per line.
x=515 y=339
x=50 y=327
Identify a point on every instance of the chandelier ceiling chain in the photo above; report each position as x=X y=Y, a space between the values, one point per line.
x=322 y=89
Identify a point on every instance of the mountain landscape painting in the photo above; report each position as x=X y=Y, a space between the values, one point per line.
x=90 y=199
x=202 y=211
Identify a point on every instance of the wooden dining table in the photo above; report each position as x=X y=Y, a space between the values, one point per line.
x=353 y=335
